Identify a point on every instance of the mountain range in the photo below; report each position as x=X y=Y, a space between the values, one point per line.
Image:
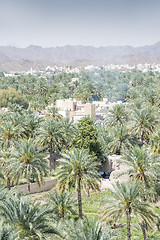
x=37 y=57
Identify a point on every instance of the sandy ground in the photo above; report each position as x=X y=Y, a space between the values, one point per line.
x=106 y=184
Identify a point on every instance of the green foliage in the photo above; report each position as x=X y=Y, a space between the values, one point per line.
x=78 y=169
x=127 y=127
x=155 y=141
x=125 y=201
x=118 y=115
x=92 y=204
x=29 y=219
x=121 y=139
x=62 y=204
x=27 y=161
x=87 y=137
x=10 y=96
x=50 y=134
x=144 y=167
x=90 y=230
x=144 y=122
x=78 y=164
x=7 y=232
x=9 y=133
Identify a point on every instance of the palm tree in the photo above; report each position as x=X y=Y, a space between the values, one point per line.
x=105 y=138
x=125 y=201
x=30 y=219
x=31 y=124
x=117 y=115
x=27 y=161
x=15 y=108
x=6 y=232
x=89 y=230
x=138 y=233
x=51 y=135
x=78 y=169
x=68 y=130
x=54 y=114
x=2 y=178
x=17 y=120
x=3 y=165
x=120 y=139
x=8 y=134
x=3 y=194
x=62 y=204
x=12 y=128
x=37 y=103
x=144 y=123
x=144 y=167
x=151 y=96
x=155 y=141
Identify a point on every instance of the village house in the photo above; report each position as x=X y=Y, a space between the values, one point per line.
x=74 y=110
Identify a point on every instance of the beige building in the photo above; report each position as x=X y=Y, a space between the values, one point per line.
x=101 y=108
x=3 y=110
x=74 y=110
x=73 y=80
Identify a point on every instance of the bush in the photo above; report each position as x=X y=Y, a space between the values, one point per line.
x=11 y=96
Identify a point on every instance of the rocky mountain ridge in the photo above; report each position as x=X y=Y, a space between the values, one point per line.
x=13 y=58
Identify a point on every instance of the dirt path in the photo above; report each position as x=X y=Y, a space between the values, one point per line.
x=106 y=184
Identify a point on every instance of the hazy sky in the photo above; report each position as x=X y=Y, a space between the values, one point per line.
x=79 y=22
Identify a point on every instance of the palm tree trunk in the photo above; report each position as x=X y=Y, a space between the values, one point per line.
x=79 y=198
x=63 y=211
x=54 y=162
x=8 y=183
x=145 y=230
x=88 y=193
x=29 y=186
x=120 y=147
x=51 y=156
x=142 y=139
x=129 y=224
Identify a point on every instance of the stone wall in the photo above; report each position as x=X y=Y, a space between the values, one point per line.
x=48 y=185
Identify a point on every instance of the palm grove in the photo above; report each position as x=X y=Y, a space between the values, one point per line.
x=30 y=147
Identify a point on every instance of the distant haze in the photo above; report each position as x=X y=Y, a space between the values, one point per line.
x=21 y=59
x=51 y=23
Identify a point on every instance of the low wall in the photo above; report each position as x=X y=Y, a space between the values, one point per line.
x=48 y=185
